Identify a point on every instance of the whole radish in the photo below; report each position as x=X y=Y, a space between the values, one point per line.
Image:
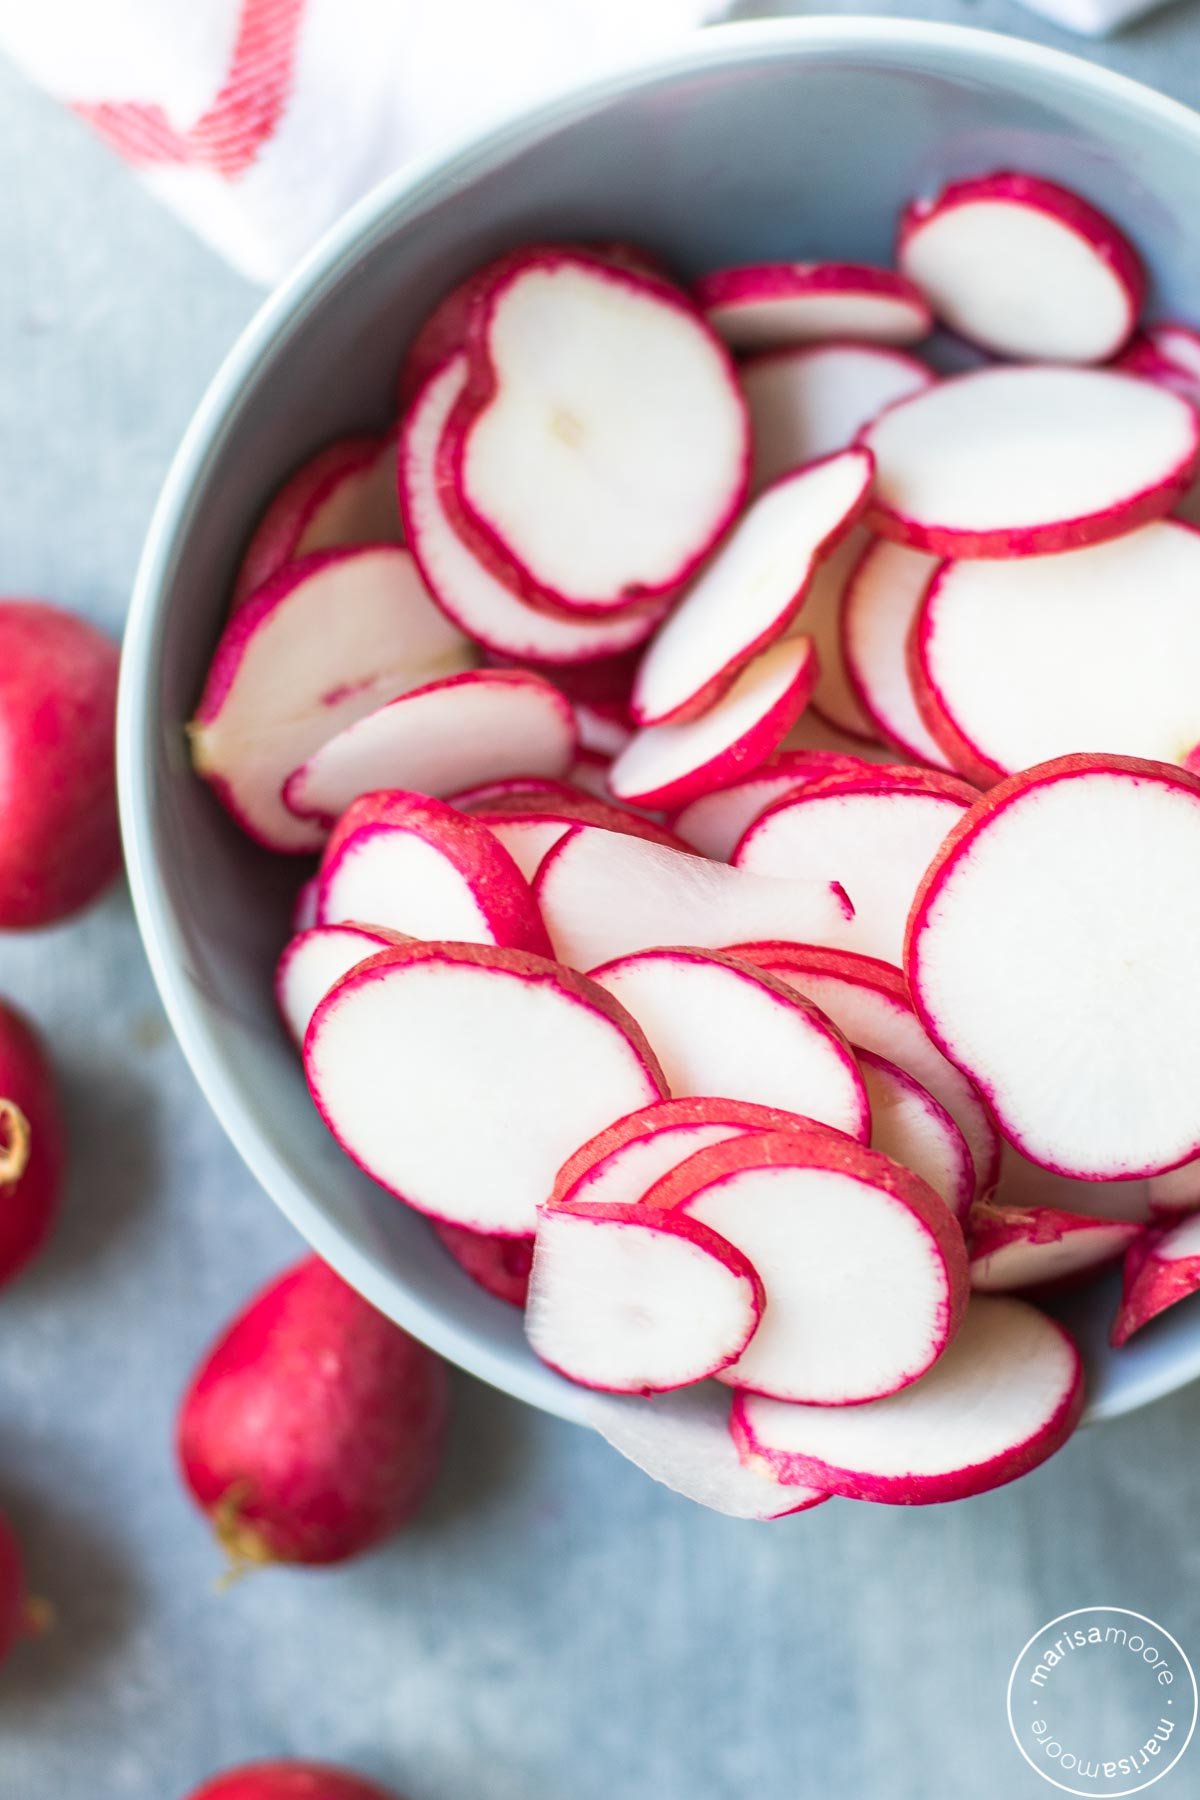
x=32 y=1144
x=20 y=1615
x=290 y=1781
x=314 y=1426
x=59 y=841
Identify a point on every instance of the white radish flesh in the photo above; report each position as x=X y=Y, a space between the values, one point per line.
x=1024 y=1247
x=806 y=403
x=527 y=840
x=714 y=824
x=766 y=304
x=880 y=602
x=314 y=961
x=916 y=1130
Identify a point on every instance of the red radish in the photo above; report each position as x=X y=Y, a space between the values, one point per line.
x=1176 y=1192
x=1015 y=1247
x=499 y=1265
x=314 y=1426
x=864 y=1268
x=600 y=447
x=314 y=961
x=633 y=1302
x=528 y=838
x=749 y=593
x=1024 y=268
x=1025 y=1187
x=768 y=304
x=416 y=866
x=20 y=1615
x=722 y=1027
x=880 y=601
x=1161 y=1269
x=465 y=588
x=1006 y=1395
x=668 y=765
x=713 y=824
x=916 y=1130
x=834 y=696
x=459 y=1076
x=874 y=831
x=603 y=895
x=1017 y=662
x=345 y=494
x=1029 y=461
x=304 y=909
x=1045 y=919
x=439 y=738
x=351 y=628
x=33 y=1150
x=290 y=1781
x=60 y=846
x=808 y=402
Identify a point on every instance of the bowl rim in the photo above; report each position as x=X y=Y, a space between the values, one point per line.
x=398 y=197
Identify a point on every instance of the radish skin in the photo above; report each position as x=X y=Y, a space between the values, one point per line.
x=499 y=1265
x=33 y=1148
x=290 y=1780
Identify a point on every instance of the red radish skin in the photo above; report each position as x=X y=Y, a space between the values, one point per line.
x=33 y=1149
x=572 y=807
x=60 y=846
x=499 y=1265
x=1161 y=1269
x=808 y=401
x=774 y=304
x=290 y=1780
x=314 y=1426
x=713 y=825
x=1015 y=1248
x=20 y=1615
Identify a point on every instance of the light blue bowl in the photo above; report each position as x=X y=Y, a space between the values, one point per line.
x=797 y=138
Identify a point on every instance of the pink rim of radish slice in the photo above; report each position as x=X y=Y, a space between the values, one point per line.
x=1160 y=1271
x=864 y=1268
x=811 y=401
x=713 y=825
x=668 y=765
x=466 y=590
x=1018 y=662
x=869 y=1002
x=718 y=1026
x=1174 y=1193
x=751 y=590
x=1043 y=922
x=601 y=446
x=437 y=739
x=450 y=1073
x=834 y=696
x=1025 y=1187
x=1006 y=1395
x=875 y=832
x=1028 y=461
x=353 y=628
x=1015 y=1247
x=573 y=806
x=879 y=604
x=499 y=1265
x=604 y=894
x=416 y=865
x=766 y=305
x=917 y=1132
x=314 y=961
x=1024 y=268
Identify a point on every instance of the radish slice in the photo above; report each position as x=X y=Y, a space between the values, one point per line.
x=751 y=590
x=450 y=1073
x=601 y=446
x=1024 y=268
x=527 y=840
x=1022 y=1247
x=916 y=1130
x=713 y=824
x=821 y=616
x=1176 y=1192
x=604 y=895
x=499 y=1265
x=721 y=1027
x=635 y=1303
x=868 y=1001
x=323 y=644
x=419 y=867
x=1160 y=1271
x=1025 y=1186
x=572 y=805
x=1018 y=662
x=879 y=604
x=314 y=961
x=1179 y=347
x=1029 y=461
x=874 y=832
x=864 y=1269
x=438 y=738
x=668 y=765
x=794 y=303
x=1045 y=920
x=1007 y=1394
x=810 y=402
x=466 y=590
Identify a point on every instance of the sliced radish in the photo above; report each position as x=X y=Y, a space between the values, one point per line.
x=1007 y=1394
x=437 y=739
x=767 y=304
x=451 y=1074
x=808 y=402
x=528 y=839
x=1016 y=1247
x=499 y=1265
x=668 y=765
x=865 y=1270
x=1024 y=268
x=917 y=1131
x=601 y=445
x=416 y=865
x=718 y=1026
x=879 y=604
x=1060 y=914
x=1176 y=1192
x=466 y=590
x=1017 y=662
x=1160 y=1271
x=874 y=832
x=750 y=591
x=1025 y=1186
x=573 y=806
x=603 y=895
x=713 y=824
x=1179 y=347
x=1029 y=461
x=834 y=697
x=637 y=1303
x=314 y=961
x=327 y=641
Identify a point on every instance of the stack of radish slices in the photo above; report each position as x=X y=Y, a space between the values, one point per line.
x=757 y=831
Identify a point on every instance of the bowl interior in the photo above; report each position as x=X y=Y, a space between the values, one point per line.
x=782 y=140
